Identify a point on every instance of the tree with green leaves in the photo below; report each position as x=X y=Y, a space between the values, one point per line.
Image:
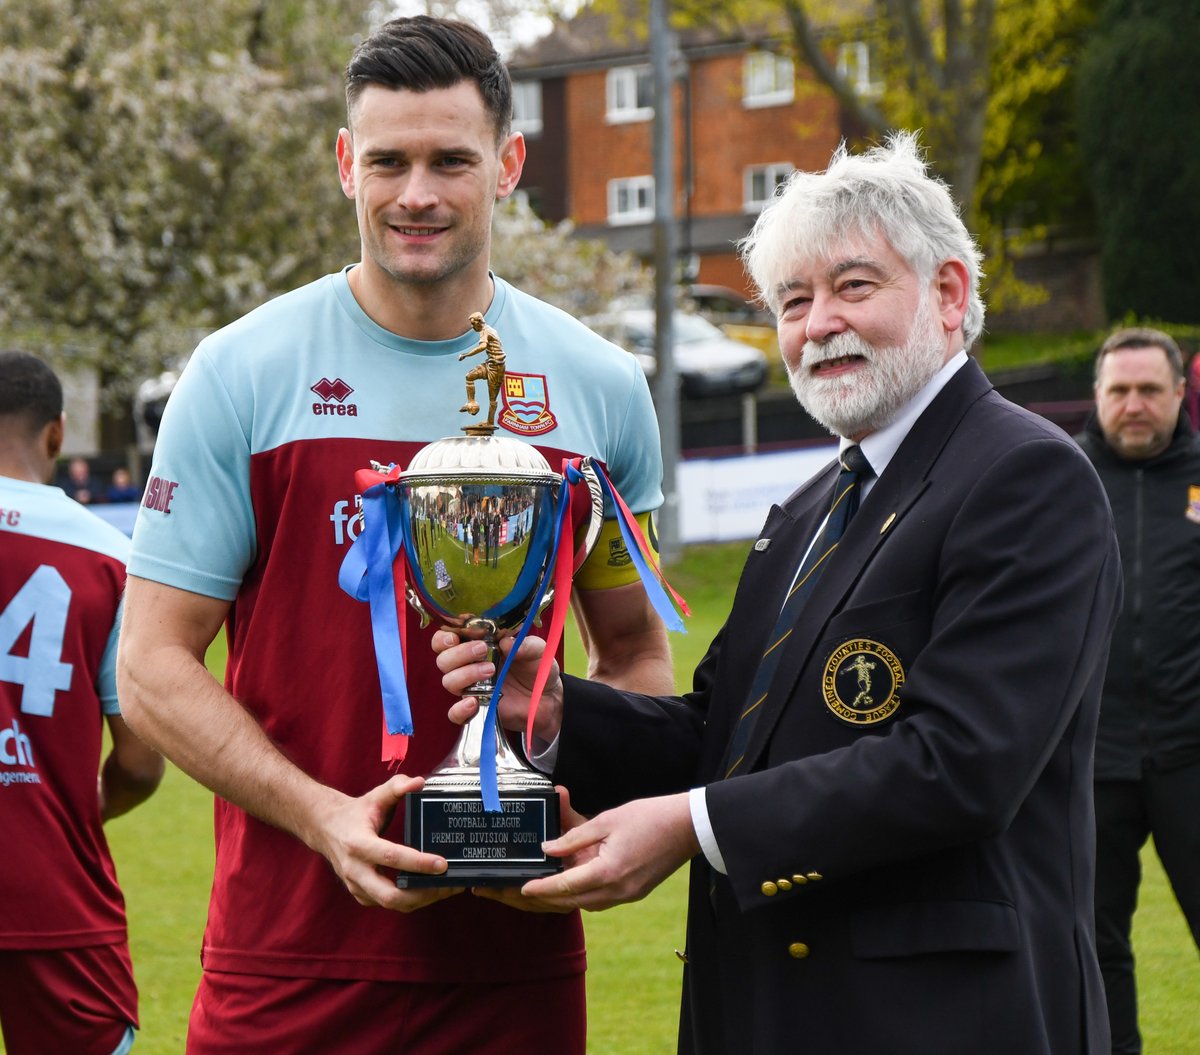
x=168 y=167
x=1032 y=171
x=580 y=275
x=1138 y=92
x=989 y=84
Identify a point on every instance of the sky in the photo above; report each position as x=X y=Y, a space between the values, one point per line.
x=507 y=31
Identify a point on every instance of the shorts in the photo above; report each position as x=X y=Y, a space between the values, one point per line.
x=81 y=1001
x=238 y=1013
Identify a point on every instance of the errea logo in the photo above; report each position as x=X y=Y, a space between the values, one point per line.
x=333 y=398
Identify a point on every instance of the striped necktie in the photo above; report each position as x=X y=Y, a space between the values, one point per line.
x=855 y=469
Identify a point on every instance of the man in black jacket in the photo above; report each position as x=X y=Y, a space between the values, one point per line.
x=883 y=774
x=1148 y=743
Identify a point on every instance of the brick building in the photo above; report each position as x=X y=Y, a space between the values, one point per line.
x=745 y=115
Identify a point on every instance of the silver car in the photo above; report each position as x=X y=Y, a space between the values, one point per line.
x=708 y=362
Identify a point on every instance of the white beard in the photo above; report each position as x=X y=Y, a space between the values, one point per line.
x=869 y=399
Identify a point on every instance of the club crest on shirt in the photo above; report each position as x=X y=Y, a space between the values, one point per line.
x=861 y=682
x=1193 y=507
x=525 y=407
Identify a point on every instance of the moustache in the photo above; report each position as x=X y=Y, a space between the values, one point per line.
x=837 y=346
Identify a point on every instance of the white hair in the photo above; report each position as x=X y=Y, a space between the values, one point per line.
x=886 y=191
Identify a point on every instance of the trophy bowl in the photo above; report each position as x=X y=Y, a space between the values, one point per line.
x=478 y=515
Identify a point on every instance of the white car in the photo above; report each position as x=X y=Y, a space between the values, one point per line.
x=708 y=362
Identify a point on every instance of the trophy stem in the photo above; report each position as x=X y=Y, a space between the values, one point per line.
x=460 y=768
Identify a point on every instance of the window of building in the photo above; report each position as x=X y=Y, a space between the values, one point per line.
x=769 y=79
x=630 y=93
x=854 y=64
x=527 y=107
x=760 y=183
x=631 y=200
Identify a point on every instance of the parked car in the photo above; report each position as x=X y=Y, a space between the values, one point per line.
x=721 y=305
x=708 y=362
x=739 y=319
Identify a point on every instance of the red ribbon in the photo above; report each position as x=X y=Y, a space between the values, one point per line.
x=564 y=572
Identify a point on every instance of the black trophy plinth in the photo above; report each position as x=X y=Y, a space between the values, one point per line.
x=481 y=848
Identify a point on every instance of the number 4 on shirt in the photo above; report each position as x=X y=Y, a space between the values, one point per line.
x=43 y=602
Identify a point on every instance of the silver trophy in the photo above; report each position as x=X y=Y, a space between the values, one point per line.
x=479 y=515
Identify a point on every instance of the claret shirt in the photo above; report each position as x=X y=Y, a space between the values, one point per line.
x=251 y=499
x=62 y=575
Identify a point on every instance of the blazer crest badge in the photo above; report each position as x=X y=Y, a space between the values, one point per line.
x=861 y=682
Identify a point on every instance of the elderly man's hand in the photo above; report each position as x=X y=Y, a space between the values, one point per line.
x=618 y=856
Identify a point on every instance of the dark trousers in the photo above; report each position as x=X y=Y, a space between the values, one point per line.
x=1167 y=806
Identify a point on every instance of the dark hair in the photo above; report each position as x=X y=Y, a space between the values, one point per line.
x=29 y=389
x=1142 y=337
x=423 y=53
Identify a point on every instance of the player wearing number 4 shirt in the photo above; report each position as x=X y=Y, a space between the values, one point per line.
x=66 y=984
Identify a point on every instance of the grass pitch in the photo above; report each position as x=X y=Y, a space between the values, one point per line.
x=163 y=852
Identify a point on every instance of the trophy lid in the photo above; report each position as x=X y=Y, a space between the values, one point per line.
x=478 y=456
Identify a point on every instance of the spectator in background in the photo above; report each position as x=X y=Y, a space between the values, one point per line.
x=79 y=483
x=66 y=983
x=122 y=488
x=1148 y=743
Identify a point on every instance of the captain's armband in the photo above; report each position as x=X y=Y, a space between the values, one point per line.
x=609 y=564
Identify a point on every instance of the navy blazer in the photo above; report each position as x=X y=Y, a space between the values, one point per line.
x=910 y=855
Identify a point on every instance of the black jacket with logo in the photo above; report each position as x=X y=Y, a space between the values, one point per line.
x=1150 y=710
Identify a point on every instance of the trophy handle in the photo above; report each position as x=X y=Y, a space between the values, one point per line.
x=588 y=471
x=595 y=523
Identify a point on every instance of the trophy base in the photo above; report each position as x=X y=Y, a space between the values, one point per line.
x=482 y=849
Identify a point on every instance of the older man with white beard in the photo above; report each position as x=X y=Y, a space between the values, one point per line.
x=883 y=772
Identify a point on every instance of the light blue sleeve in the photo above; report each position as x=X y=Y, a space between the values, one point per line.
x=635 y=463
x=201 y=537
x=106 y=677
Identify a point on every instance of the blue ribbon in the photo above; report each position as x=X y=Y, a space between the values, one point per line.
x=658 y=596
x=366 y=575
